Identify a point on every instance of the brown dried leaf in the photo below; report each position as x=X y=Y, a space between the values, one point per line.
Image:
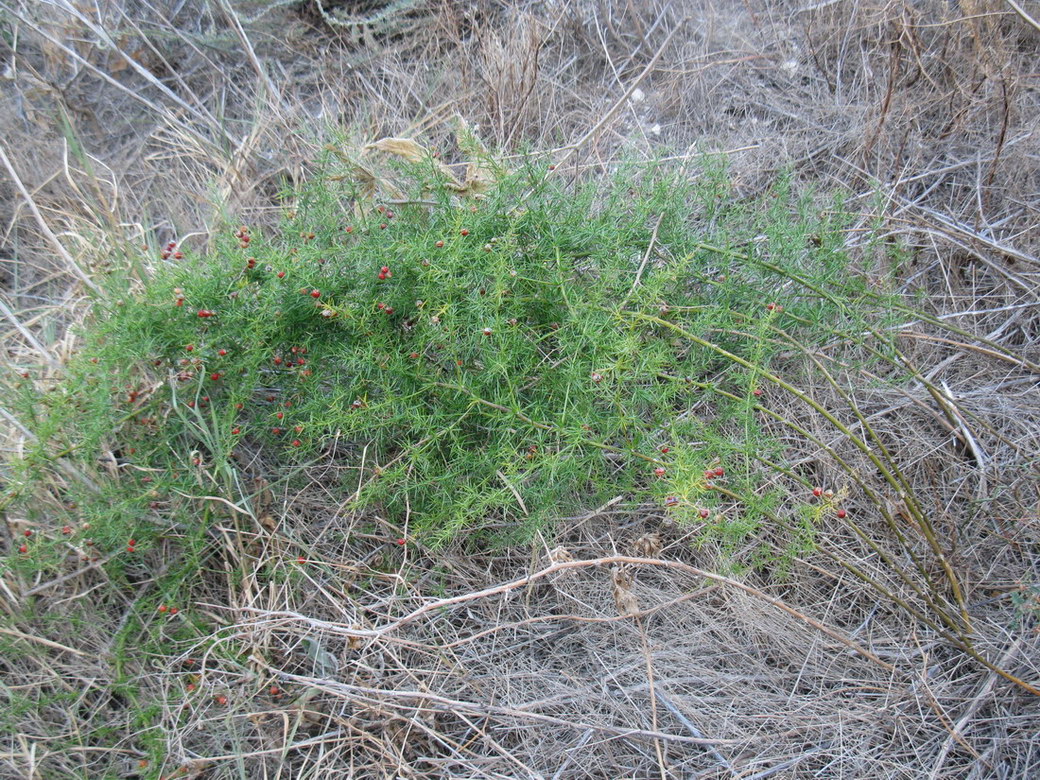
x=647 y=546
x=402 y=147
x=264 y=500
x=626 y=602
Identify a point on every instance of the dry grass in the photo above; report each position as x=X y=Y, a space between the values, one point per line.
x=151 y=119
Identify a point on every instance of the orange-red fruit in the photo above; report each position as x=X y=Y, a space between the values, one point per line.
x=274 y=690
x=464 y=232
x=296 y=442
x=842 y=514
x=704 y=514
x=23 y=549
x=163 y=608
x=817 y=492
x=439 y=244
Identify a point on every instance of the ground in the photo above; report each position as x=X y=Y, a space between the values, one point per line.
x=619 y=643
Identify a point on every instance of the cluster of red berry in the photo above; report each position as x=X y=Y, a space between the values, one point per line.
x=171 y=251
x=242 y=234
x=841 y=514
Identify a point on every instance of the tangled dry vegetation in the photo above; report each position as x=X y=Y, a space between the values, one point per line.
x=615 y=647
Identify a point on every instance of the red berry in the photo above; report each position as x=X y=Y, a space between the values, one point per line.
x=179 y=302
x=704 y=513
x=382 y=275
x=719 y=471
x=439 y=244
x=190 y=348
x=488 y=331
x=770 y=306
x=189 y=687
x=174 y=610
x=276 y=431
x=301 y=559
x=221 y=700
x=298 y=429
x=278 y=361
x=28 y=533
x=23 y=549
x=315 y=293
x=817 y=492
x=660 y=471
x=280 y=415
x=132 y=542
x=842 y=514
x=665 y=450
x=671 y=501
x=552 y=167
x=163 y=608
x=130 y=549
x=350 y=228
x=236 y=431
x=414 y=355
x=401 y=542
x=240 y=406
x=464 y=232
x=382 y=226
x=274 y=690
x=296 y=442
x=281 y=274
x=67 y=530
x=758 y=392
x=222 y=352
x=384 y=269
x=215 y=376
